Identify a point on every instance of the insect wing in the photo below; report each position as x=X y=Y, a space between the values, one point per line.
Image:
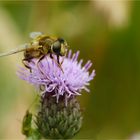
x=16 y=50
x=34 y=35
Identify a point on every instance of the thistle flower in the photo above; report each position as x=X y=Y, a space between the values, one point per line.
x=59 y=115
x=49 y=76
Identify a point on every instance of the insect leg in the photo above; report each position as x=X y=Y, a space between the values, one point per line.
x=57 y=61
x=59 y=64
x=25 y=64
x=62 y=60
x=51 y=56
x=41 y=58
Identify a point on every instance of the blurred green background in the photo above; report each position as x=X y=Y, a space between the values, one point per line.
x=106 y=32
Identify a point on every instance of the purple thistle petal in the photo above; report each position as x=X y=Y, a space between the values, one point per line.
x=76 y=56
x=47 y=73
x=80 y=63
x=73 y=56
x=69 y=54
x=92 y=75
x=86 y=89
x=87 y=65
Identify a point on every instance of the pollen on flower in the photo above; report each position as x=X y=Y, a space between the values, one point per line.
x=48 y=75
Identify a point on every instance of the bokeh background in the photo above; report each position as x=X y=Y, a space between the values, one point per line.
x=106 y=32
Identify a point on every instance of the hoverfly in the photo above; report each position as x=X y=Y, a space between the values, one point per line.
x=40 y=46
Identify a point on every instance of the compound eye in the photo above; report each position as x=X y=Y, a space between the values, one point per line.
x=56 y=47
x=61 y=40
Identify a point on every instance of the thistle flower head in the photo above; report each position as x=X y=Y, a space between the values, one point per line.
x=48 y=75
